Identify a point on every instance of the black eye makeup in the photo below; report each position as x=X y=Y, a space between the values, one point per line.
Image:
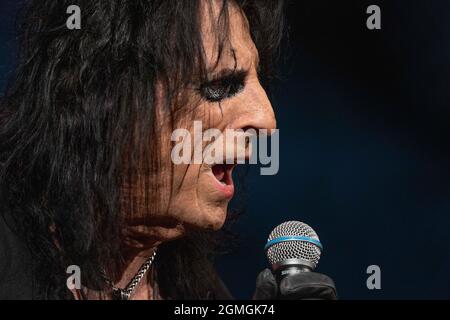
x=224 y=85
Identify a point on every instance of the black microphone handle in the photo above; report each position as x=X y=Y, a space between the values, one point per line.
x=284 y=271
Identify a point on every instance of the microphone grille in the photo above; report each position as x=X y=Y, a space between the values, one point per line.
x=293 y=240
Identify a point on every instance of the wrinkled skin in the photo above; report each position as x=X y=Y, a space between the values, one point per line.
x=196 y=201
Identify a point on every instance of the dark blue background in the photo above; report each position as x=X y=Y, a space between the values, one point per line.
x=364 y=158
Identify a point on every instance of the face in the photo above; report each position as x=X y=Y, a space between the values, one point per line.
x=233 y=99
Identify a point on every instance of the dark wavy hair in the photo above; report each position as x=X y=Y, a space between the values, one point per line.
x=65 y=125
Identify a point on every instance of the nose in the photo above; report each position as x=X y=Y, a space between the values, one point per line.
x=254 y=110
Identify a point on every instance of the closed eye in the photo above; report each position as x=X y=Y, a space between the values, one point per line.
x=226 y=84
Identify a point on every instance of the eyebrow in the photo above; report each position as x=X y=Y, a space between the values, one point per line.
x=212 y=69
x=230 y=73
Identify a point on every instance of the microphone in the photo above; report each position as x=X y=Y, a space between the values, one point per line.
x=292 y=247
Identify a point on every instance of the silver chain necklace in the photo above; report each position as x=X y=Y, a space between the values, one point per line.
x=125 y=293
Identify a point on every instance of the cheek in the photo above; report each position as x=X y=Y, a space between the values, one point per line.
x=185 y=186
x=194 y=202
x=183 y=190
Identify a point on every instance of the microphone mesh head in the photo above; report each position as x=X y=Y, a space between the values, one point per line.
x=295 y=249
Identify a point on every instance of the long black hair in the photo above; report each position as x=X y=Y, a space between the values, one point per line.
x=66 y=119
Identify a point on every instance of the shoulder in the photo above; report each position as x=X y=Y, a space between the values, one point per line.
x=15 y=262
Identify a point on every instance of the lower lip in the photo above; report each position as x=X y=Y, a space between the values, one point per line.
x=227 y=190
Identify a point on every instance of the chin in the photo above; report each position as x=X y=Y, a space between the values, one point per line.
x=217 y=219
x=210 y=218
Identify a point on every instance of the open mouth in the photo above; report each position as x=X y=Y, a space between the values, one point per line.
x=224 y=179
x=223 y=173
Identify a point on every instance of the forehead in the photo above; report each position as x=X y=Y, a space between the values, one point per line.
x=238 y=48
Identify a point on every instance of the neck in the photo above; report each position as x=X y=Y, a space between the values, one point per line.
x=139 y=244
x=133 y=260
x=145 y=288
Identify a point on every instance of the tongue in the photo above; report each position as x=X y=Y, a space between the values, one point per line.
x=218 y=171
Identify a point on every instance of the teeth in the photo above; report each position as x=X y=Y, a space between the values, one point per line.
x=223 y=183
